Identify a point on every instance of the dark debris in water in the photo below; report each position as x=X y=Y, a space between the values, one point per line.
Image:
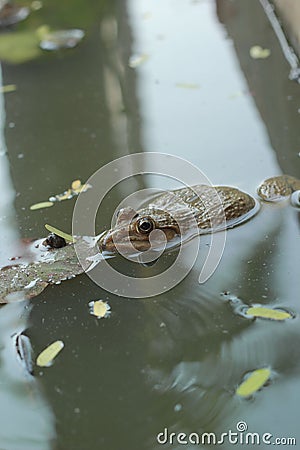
x=54 y=241
x=22 y=347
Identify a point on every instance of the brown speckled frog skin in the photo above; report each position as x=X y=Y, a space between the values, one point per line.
x=208 y=208
x=277 y=188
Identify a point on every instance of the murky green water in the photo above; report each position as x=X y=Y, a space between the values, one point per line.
x=173 y=361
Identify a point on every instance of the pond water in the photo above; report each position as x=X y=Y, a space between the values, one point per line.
x=173 y=77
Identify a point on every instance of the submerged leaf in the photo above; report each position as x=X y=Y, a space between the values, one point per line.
x=66 y=236
x=46 y=357
x=41 y=205
x=267 y=313
x=257 y=52
x=253 y=382
x=18 y=283
x=42 y=265
x=100 y=309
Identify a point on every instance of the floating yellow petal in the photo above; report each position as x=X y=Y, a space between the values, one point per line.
x=46 y=357
x=253 y=382
x=266 y=313
x=41 y=205
x=99 y=309
x=257 y=52
x=66 y=236
x=76 y=185
x=8 y=88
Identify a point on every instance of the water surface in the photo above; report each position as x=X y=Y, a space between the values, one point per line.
x=173 y=361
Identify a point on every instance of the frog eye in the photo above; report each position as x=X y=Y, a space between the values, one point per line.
x=145 y=225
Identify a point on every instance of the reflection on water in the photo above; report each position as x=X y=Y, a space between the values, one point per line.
x=27 y=422
x=173 y=361
x=200 y=349
x=8 y=225
x=281 y=115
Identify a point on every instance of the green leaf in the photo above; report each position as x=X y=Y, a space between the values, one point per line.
x=8 y=88
x=267 y=313
x=66 y=236
x=41 y=205
x=253 y=382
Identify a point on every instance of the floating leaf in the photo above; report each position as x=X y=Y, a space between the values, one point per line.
x=137 y=60
x=62 y=39
x=8 y=88
x=267 y=313
x=46 y=357
x=100 y=309
x=187 y=85
x=254 y=381
x=257 y=52
x=47 y=266
x=66 y=236
x=41 y=205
